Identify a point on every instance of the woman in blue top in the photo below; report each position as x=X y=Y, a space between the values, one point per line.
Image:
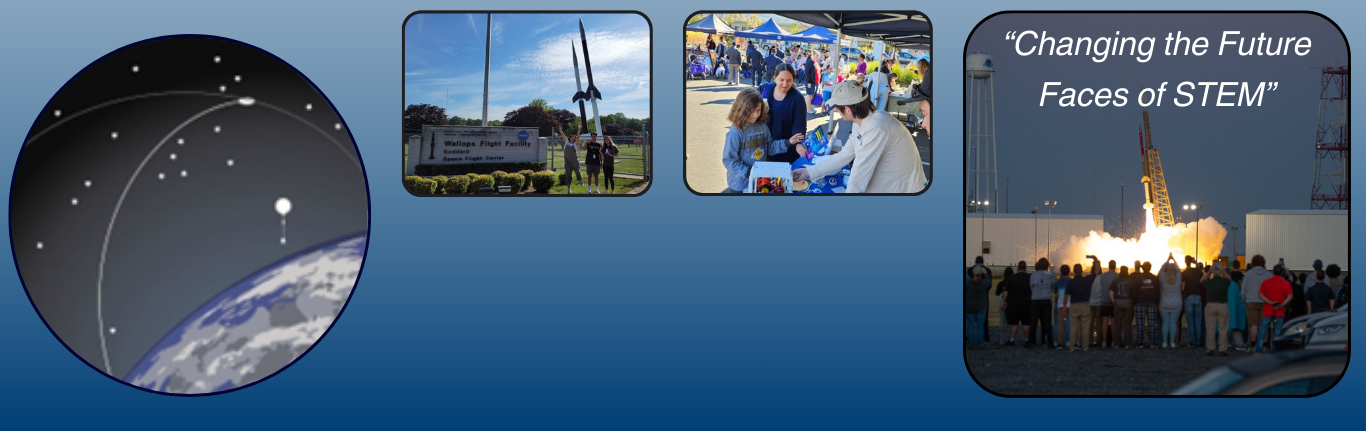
x=786 y=112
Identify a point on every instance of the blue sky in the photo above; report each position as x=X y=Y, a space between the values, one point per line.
x=530 y=58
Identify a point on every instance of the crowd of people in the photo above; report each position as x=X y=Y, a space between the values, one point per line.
x=768 y=123
x=814 y=72
x=1221 y=305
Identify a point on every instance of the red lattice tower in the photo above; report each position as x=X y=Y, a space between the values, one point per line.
x=1332 y=146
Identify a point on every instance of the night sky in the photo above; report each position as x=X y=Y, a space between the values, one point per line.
x=200 y=215
x=1234 y=160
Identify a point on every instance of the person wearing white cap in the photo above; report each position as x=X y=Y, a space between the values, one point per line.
x=884 y=156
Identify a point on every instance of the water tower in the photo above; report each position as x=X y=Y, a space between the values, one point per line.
x=982 y=188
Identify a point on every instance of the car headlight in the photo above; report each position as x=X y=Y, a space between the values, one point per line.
x=1298 y=329
x=1329 y=329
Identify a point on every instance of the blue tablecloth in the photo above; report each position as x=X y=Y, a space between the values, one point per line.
x=817 y=145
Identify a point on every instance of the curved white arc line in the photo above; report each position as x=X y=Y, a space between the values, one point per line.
x=104 y=249
x=109 y=103
x=320 y=131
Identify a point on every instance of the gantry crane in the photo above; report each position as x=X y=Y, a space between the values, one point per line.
x=1154 y=183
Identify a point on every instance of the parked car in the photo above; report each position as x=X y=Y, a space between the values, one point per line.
x=1296 y=331
x=904 y=58
x=1331 y=333
x=1294 y=373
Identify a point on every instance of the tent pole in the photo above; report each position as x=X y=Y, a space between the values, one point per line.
x=839 y=50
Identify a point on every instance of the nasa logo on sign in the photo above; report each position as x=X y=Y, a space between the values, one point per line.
x=522 y=135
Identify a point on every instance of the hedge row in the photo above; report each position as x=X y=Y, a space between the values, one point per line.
x=477 y=168
x=470 y=183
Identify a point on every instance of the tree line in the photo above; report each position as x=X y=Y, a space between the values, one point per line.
x=537 y=114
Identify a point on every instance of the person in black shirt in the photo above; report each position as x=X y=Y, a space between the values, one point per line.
x=609 y=158
x=1194 y=294
x=593 y=158
x=1017 y=301
x=1297 y=307
x=1319 y=296
x=1344 y=293
x=1001 y=308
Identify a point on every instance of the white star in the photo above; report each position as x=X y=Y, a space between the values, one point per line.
x=222 y=88
x=57 y=113
x=113 y=330
x=337 y=126
x=113 y=135
x=75 y=201
x=183 y=173
x=87 y=184
x=237 y=78
x=217 y=59
x=161 y=175
x=230 y=163
x=135 y=68
x=40 y=245
x=308 y=107
x=217 y=129
x=180 y=141
x=172 y=156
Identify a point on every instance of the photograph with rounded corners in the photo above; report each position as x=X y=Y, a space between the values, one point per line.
x=527 y=103
x=824 y=103
x=1156 y=210
x=189 y=215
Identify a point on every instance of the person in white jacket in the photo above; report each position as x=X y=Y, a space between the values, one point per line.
x=884 y=155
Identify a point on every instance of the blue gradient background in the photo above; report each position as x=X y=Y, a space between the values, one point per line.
x=520 y=326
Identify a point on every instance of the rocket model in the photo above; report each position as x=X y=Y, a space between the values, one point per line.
x=591 y=94
x=579 y=96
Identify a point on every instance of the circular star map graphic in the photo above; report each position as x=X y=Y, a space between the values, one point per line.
x=189 y=215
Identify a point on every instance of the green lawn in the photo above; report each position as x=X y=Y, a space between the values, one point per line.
x=623 y=186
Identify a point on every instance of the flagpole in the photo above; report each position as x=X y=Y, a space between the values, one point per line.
x=488 y=43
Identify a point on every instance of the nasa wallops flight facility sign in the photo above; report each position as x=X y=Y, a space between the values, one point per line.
x=451 y=145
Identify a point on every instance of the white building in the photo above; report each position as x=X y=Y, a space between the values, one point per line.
x=1011 y=238
x=1298 y=236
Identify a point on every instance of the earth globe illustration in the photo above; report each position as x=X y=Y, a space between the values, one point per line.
x=258 y=326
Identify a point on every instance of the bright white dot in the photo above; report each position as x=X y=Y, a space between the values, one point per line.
x=282 y=206
x=217 y=59
x=75 y=201
x=161 y=175
x=230 y=163
x=88 y=184
x=180 y=141
x=113 y=330
x=113 y=135
x=237 y=78
x=172 y=156
x=222 y=88
x=282 y=240
x=57 y=113
x=308 y=107
x=246 y=101
x=217 y=129
x=337 y=126
x=135 y=68
x=40 y=245
x=184 y=173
